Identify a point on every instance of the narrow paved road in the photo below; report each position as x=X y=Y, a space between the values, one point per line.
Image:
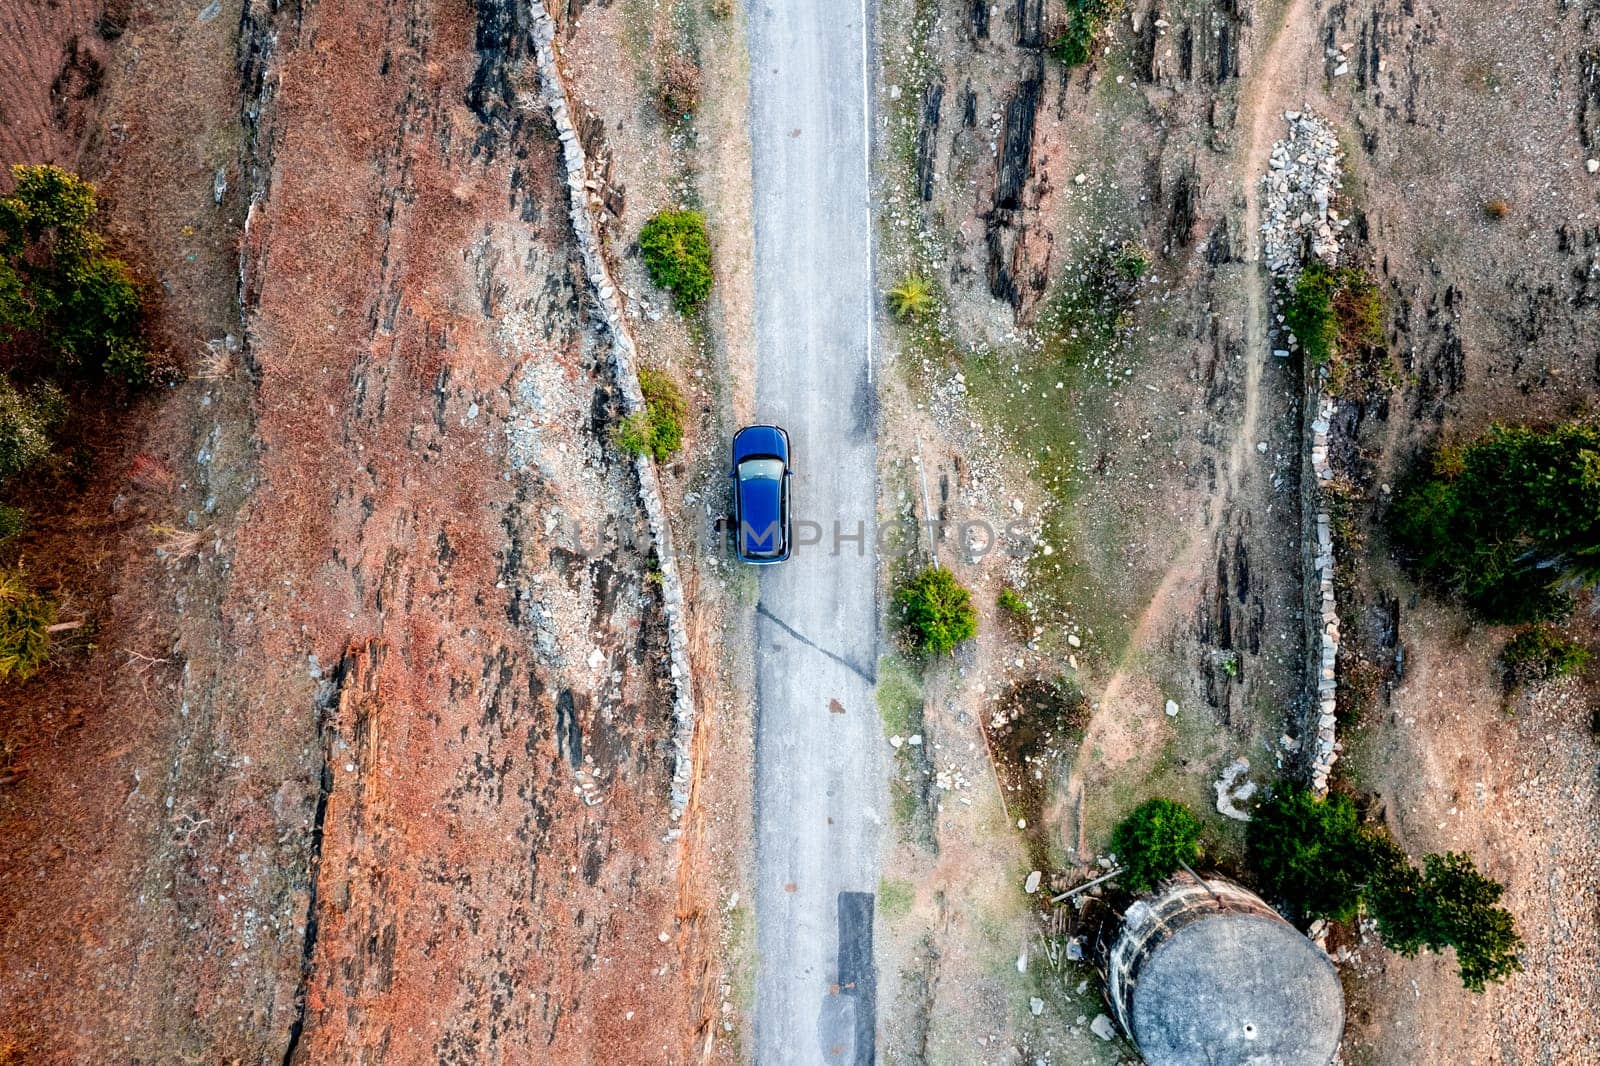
x=820 y=801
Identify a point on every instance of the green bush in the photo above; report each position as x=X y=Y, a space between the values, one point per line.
x=657 y=431
x=1540 y=653
x=1154 y=841
x=1074 y=45
x=1308 y=313
x=912 y=299
x=1315 y=854
x=58 y=288
x=1012 y=602
x=936 y=611
x=26 y=423
x=1508 y=522
x=1449 y=904
x=13 y=522
x=1337 y=316
x=127 y=361
x=677 y=254
x=100 y=311
x=51 y=209
x=25 y=620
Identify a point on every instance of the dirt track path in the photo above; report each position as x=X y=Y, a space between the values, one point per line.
x=1277 y=85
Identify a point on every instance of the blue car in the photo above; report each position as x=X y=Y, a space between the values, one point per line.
x=762 y=532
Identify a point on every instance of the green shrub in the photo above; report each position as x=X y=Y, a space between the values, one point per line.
x=1012 y=602
x=13 y=522
x=1315 y=854
x=1308 y=313
x=26 y=423
x=51 y=209
x=1540 y=653
x=1508 y=522
x=1337 y=316
x=58 y=288
x=1154 y=841
x=1449 y=904
x=100 y=310
x=657 y=431
x=127 y=361
x=936 y=611
x=1074 y=45
x=912 y=299
x=25 y=620
x=677 y=254
x=1131 y=261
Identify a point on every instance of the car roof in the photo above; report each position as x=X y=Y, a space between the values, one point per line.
x=753 y=441
x=761 y=511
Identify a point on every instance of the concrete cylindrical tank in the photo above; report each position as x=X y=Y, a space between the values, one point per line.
x=1207 y=973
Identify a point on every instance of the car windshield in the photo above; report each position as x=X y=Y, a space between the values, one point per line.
x=761 y=470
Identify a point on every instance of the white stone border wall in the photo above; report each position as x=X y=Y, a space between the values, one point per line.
x=1322 y=628
x=624 y=365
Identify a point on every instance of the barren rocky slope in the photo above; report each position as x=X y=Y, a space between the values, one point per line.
x=398 y=783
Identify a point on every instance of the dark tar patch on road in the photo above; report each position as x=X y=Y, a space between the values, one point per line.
x=848 y=1025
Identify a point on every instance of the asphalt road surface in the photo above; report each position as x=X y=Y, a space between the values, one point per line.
x=820 y=796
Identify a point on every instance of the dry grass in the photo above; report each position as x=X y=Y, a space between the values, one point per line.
x=176 y=545
x=678 y=85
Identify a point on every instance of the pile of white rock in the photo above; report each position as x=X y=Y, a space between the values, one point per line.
x=1303 y=176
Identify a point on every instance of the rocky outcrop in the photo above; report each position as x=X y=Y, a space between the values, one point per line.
x=624 y=361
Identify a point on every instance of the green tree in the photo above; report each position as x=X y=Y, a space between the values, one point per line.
x=1449 y=904
x=1153 y=841
x=677 y=255
x=936 y=611
x=1315 y=853
x=52 y=210
x=1508 y=522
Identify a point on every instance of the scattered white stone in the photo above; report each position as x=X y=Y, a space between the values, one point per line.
x=1172 y=708
x=1102 y=1027
x=1079 y=179
x=1592 y=165
x=1031 y=885
x=1072 y=639
x=1036 y=1006
x=1232 y=788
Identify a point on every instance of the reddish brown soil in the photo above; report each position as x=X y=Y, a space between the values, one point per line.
x=318 y=788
